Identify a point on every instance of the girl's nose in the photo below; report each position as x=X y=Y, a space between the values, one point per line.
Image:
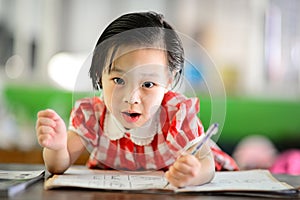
x=133 y=97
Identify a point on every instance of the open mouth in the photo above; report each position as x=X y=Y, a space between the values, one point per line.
x=132 y=114
x=131 y=117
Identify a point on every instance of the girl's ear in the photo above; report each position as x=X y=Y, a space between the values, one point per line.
x=169 y=84
x=166 y=89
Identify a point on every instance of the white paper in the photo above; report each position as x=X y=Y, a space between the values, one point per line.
x=110 y=179
x=253 y=180
x=19 y=175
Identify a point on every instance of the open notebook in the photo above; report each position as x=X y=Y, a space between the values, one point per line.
x=252 y=182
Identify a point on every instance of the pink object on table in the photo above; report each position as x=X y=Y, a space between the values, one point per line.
x=287 y=162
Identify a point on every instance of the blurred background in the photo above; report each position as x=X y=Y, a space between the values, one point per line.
x=254 y=44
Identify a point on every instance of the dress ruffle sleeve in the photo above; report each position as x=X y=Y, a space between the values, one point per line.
x=223 y=161
x=84 y=120
x=184 y=125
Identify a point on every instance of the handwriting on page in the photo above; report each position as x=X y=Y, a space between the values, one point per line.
x=240 y=181
x=108 y=181
x=243 y=180
x=251 y=179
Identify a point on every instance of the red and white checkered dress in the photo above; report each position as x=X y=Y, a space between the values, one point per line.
x=177 y=124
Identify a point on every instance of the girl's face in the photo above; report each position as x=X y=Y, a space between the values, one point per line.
x=134 y=88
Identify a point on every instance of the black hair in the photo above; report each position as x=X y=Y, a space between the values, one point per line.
x=140 y=29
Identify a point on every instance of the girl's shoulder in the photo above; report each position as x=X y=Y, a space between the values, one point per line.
x=173 y=100
x=90 y=104
x=86 y=109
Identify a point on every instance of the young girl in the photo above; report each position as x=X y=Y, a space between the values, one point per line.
x=138 y=123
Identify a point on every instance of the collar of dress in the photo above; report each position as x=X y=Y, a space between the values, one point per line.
x=141 y=136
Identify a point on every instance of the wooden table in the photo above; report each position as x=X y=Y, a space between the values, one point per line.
x=36 y=191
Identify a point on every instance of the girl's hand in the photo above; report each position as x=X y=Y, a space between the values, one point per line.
x=51 y=130
x=185 y=171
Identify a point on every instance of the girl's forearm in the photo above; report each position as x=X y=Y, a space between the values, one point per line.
x=56 y=162
x=207 y=170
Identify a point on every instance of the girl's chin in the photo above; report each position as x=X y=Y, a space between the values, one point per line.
x=129 y=126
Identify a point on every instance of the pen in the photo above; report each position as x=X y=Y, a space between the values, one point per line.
x=212 y=130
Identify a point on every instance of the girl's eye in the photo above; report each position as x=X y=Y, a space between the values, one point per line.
x=118 y=81
x=148 y=84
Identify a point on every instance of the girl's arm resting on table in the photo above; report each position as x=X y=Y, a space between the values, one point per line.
x=58 y=161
